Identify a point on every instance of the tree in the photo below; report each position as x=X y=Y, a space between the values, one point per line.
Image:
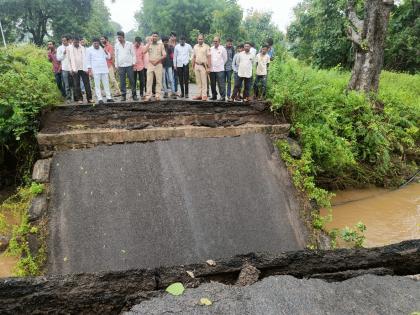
x=227 y=21
x=317 y=34
x=402 y=51
x=258 y=27
x=368 y=36
x=180 y=16
x=35 y=16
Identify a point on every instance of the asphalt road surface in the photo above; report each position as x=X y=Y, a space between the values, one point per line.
x=285 y=295
x=168 y=203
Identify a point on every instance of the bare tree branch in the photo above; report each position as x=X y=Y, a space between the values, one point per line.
x=354 y=36
x=352 y=16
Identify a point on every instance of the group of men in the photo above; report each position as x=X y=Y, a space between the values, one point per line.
x=158 y=65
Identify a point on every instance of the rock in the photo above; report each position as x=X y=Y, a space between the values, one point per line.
x=294 y=148
x=4 y=242
x=41 y=172
x=33 y=243
x=414 y=277
x=38 y=207
x=249 y=275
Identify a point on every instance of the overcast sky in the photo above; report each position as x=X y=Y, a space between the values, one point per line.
x=122 y=11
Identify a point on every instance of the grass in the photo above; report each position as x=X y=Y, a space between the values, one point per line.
x=20 y=230
x=348 y=139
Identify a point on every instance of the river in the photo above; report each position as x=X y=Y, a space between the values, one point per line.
x=390 y=216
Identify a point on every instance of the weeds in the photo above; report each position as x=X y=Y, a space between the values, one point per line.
x=348 y=139
x=18 y=205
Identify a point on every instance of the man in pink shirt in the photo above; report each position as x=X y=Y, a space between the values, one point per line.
x=218 y=56
x=111 y=65
x=56 y=67
x=139 y=69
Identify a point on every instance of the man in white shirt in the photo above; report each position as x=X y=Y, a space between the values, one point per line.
x=235 y=65
x=263 y=60
x=182 y=57
x=65 y=66
x=253 y=50
x=96 y=58
x=245 y=62
x=77 y=60
x=173 y=43
x=125 y=60
x=218 y=56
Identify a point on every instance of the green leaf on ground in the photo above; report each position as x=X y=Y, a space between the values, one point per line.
x=176 y=288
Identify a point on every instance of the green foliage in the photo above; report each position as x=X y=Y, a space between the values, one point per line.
x=36 y=16
x=218 y=17
x=345 y=141
x=227 y=21
x=26 y=86
x=36 y=188
x=18 y=205
x=180 y=16
x=258 y=26
x=301 y=170
x=354 y=236
x=89 y=21
x=176 y=288
x=318 y=35
x=54 y=18
x=403 y=45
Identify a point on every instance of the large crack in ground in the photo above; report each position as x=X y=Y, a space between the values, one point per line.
x=113 y=292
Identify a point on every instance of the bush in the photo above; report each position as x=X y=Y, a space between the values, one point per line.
x=346 y=140
x=26 y=86
x=29 y=264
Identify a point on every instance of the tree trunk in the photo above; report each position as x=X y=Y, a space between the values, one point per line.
x=368 y=36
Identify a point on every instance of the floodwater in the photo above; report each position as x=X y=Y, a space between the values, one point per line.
x=391 y=216
x=7 y=264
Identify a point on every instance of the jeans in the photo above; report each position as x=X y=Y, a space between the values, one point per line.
x=67 y=82
x=104 y=78
x=123 y=72
x=59 y=80
x=238 y=86
x=176 y=81
x=168 y=81
x=184 y=77
x=141 y=77
x=228 y=79
x=219 y=78
x=260 y=79
x=77 y=89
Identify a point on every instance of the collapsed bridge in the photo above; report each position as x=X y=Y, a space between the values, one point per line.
x=140 y=196
x=144 y=185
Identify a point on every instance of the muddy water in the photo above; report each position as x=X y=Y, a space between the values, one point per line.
x=390 y=216
x=7 y=264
